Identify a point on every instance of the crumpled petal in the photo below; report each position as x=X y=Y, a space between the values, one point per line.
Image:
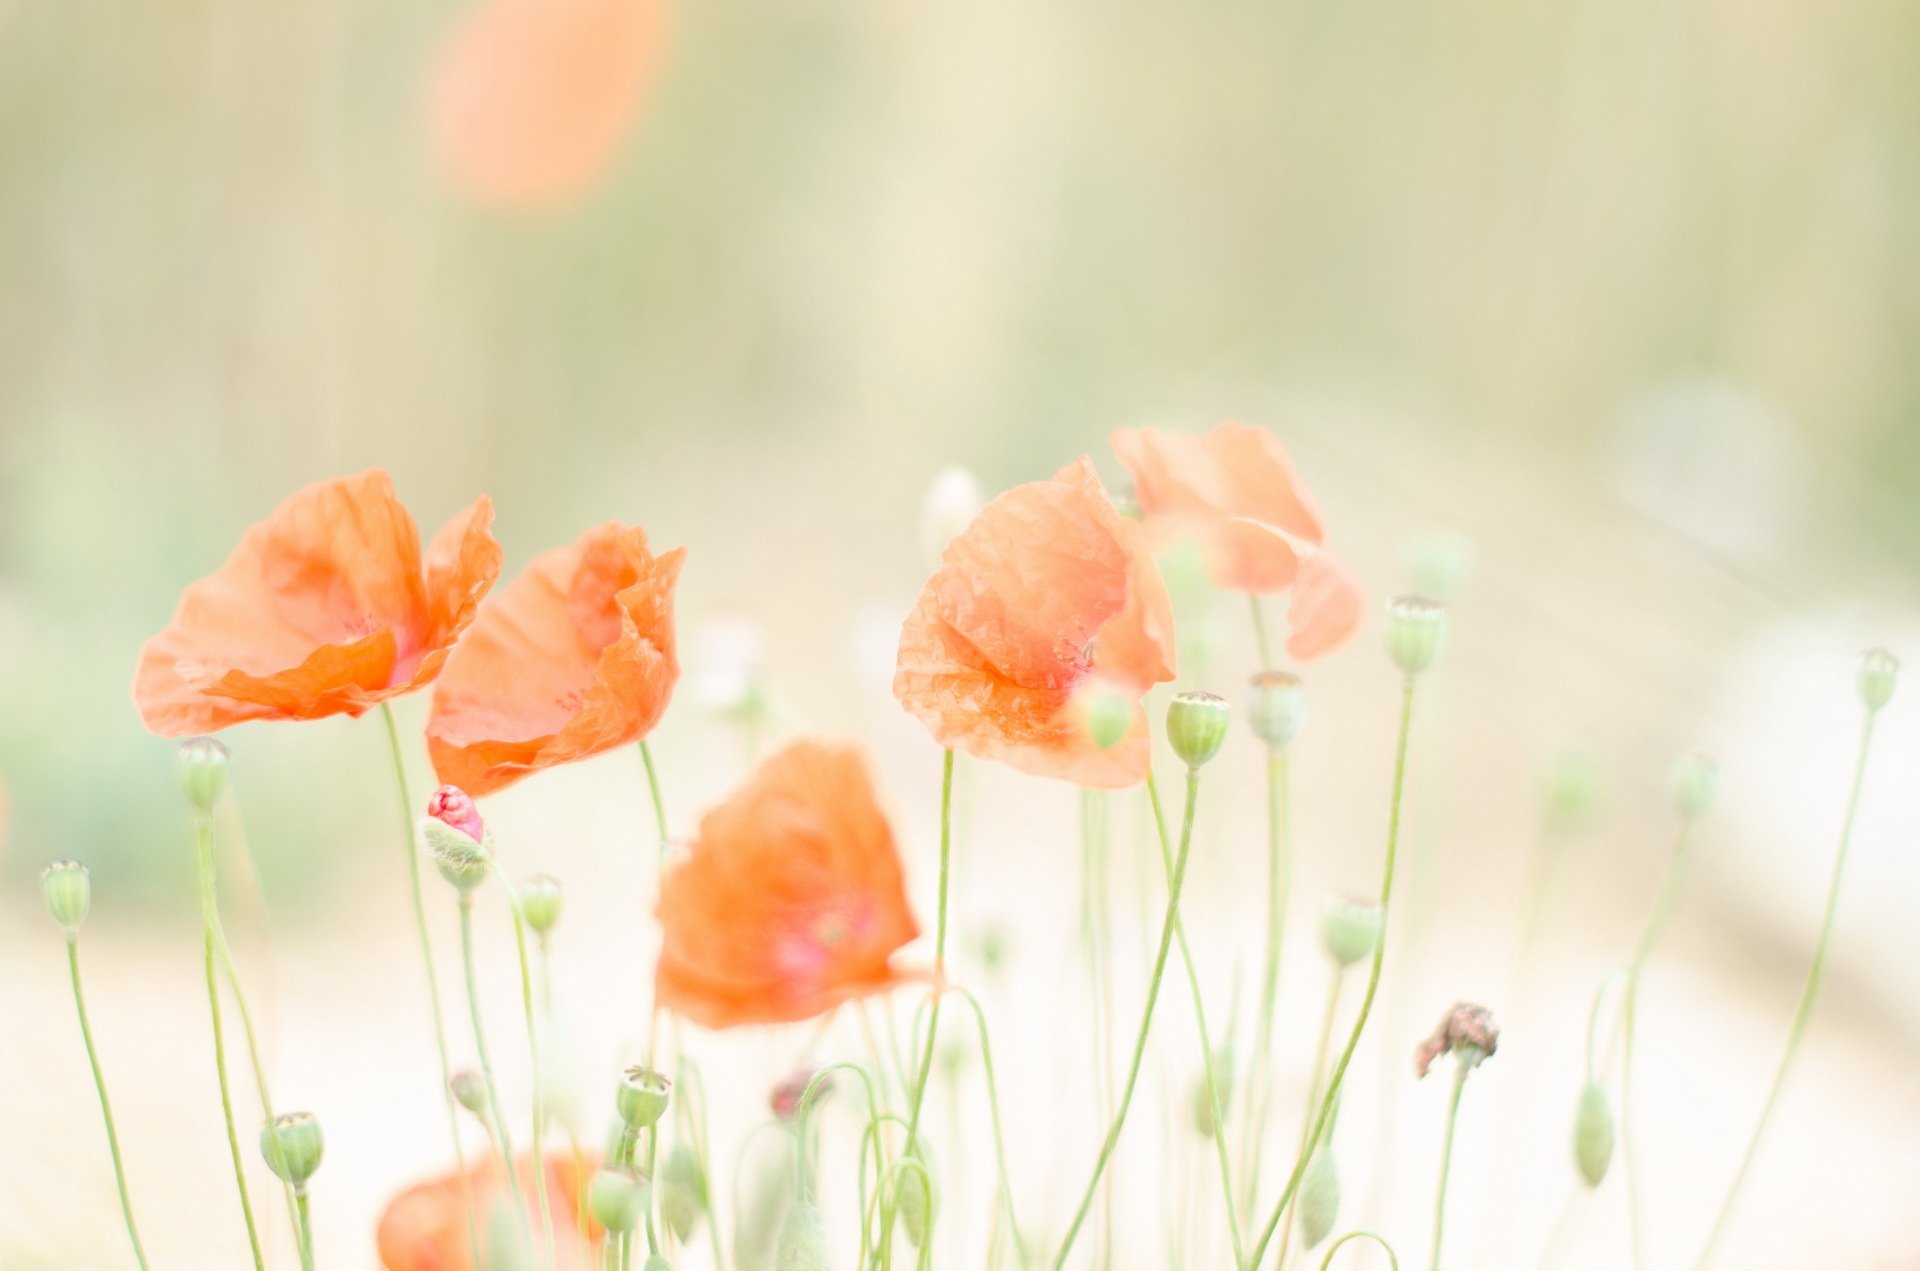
x=322 y=609
x=791 y=900
x=571 y=659
x=1047 y=587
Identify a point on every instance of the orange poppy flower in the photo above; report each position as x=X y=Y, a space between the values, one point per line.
x=571 y=659
x=791 y=899
x=1049 y=592
x=1235 y=491
x=424 y=1228
x=533 y=97
x=327 y=607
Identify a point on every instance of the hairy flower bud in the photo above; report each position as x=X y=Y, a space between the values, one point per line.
x=1196 y=726
x=617 y=1197
x=1277 y=708
x=469 y=1091
x=1200 y=1098
x=683 y=1192
x=69 y=893
x=1593 y=1134
x=1415 y=632
x=1349 y=930
x=803 y=1242
x=540 y=902
x=454 y=807
x=202 y=765
x=293 y=1147
x=1319 y=1197
x=1879 y=670
x=642 y=1096
x=915 y=1195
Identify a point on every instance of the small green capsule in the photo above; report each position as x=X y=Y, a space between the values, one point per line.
x=1879 y=671
x=915 y=1195
x=1196 y=727
x=1593 y=1134
x=683 y=1192
x=1277 y=708
x=293 y=1147
x=803 y=1242
x=1349 y=930
x=617 y=1197
x=1200 y=1100
x=1415 y=632
x=642 y=1096
x=540 y=902
x=69 y=893
x=1319 y=1198
x=203 y=771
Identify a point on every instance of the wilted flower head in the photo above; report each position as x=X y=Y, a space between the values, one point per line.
x=327 y=607
x=573 y=658
x=1048 y=587
x=1465 y=1030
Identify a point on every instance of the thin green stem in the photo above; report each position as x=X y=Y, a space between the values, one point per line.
x=306 y=1228
x=1279 y=886
x=106 y=1109
x=1393 y=1259
x=1373 y=975
x=1093 y=932
x=533 y=1052
x=1327 y=1017
x=1167 y=931
x=1260 y=640
x=653 y=789
x=1629 y=1001
x=939 y=953
x=500 y=1131
x=693 y=1084
x=1214 y=1105
x=210 y=932
x=254 y=1060
x=412 y=855
x=1804 y=1010
x=1461 y=1069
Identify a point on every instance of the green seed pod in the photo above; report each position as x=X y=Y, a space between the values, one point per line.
x=1693 y=781
x=202 y=765
x=1319 y=1198
x=1200 y=1101
x=1196 y=726
x=683 y=1192
x=69 y=893
x=642 y=1096
x=1416 y=629
x=469 y=1091
x=617 y=1197
x=1107 y=715
x=293 y=1147
x=803 y=1242
x=916 y=1196
x=540 y=901
x=1593 y=1134
x=1349 y=930
x=1277 y=708
x=1879 y=670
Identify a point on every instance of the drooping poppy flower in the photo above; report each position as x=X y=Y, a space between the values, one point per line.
x=1236 y=492
x=533 y=97
x=791 y=900
x=1049 y=593
x=571 y=659
x=424 y=1228
x=327 y=607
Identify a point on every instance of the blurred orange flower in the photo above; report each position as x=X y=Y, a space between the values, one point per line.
x=424 y=1228
x=1049 y=591
x=1236 y=492
x=325 y=608
x=533 y=97
x=791 y=900
x=571 y=659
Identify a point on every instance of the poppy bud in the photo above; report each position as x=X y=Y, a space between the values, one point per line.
x=1277 y=708
x=1319 y=1197
x=683 y=1192
x=1349 y=930
x=914 y=1195
x=455 y=807
x=203 y=771
x=1694 y=781
x=1416 y=629
x=469 y=1090
x=1879 y=669
x=1593 y=1134
x=461 y=859
x=617 y=1197
x=642 y=1096
x=1466 y=1032
x=1200 y=1099
x=69 y=893
x=953 y=500
x=1105 y=713
x=803 y=1244
x=293 y=1146
x=540 y=902
x=1196 y=725
x=786 y=1096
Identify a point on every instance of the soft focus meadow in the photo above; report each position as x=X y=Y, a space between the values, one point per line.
x=1590 y=324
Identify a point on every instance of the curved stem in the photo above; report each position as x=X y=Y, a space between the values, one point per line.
x=1167 y=930
x=1593 y=1021
x=1373 y=975
x=106 y=1109
x=210 y=929
x=254 y=1060
x=1327 y=1018
x=1461 y=1069
x=1279 y=887
x=533 y=1051
x=939 y=958
x=1804 y=1010
x=1656 y=920
x=433 y=978
x=501 y=1134
x=993 y=1110
x=1393 y=1259
x=1214 y=1106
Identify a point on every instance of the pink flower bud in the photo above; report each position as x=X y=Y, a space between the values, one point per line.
x=785 y=1100
x=454 y=808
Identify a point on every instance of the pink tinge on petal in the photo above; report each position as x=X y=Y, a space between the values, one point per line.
x=451 y=806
